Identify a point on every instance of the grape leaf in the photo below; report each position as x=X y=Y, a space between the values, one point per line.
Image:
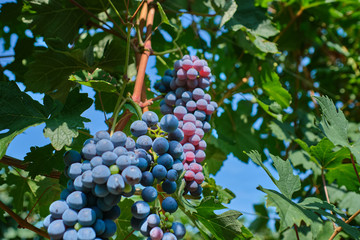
x=62 y=126
x=282 y=131
x=124 y=229
x=344 y=175
x=48 y=191
x=288 y=183
x=19 y=186
x=164 y=18
x=214 y=156
x=18 y=112
x=43 y=160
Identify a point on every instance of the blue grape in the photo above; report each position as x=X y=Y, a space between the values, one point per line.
x=69 y=217
x=156 y=233
x=136 y=223
x=123 y=162
x=57 y=208
x=204 y=83
x=132 y=175
x=165 y=80
x=91 y=199
x=109 y=158
x=120 y=151
x=89 y=151
x=112 y=199
x=101 y=174
x=90 y=140
x=175 y=149
x=70 y=234
x=169 y=123
x=116 y=184
x=86 y=233
x=172 y=175
x=76 y=200
x=176 y=135
x=165 y=109
x=169 y=205
x=86 y=217
x=169 y=236
x=169 y=186
x=140 y=209
x=150 y=118
x=56 y=229
x=100 y=190
x=147 y=179
x=206 y=127
x=145 y=229
x=101 y=135
x=197 y=192
x=133 y=158
x=118 y=139
x=143 y=164
x=200 y=115
x=102 y=205
x=144 y=142
x=166 y=160
x=110 y=228
x=138 y=128
x=85 y=165
x=153 y=220
x=64 y=194
x=70 y=185
x=104 y=145
x=71 y=157
x=186 y=96
x=99 y=227
x=47 y=221
x=149 y=194
x=98 y=212
x=170 y=98
x=179 y=229
x=159 y=172
x=96 y=161
x=179 y=91
x=78 y=184
x=160 y=145
x=178 y=166
x=87 y=179
x=113 y=214
x=74 y=170
x=130 y=144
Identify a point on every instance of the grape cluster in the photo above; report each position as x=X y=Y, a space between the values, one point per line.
x=109 y=168
x=186 y=99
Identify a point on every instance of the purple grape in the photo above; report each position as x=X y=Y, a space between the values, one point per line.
x=180 y=112
x=191 y=106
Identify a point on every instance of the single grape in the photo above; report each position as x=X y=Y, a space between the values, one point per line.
x=202 y=145
x=110 y=228
x=172 y=175
x=166 y=160
x=180 y=112
x=85 y=165
x=187 y=64
x=57 y=209
x=178 y=65
x=115 y=184
x=156 y=233
x=165 y=109
x=195 y=167
x=101 y=135
x=123 y=162
x=132 y=175
x=201 y=104
x=64 y=194
x=188 y=147
x=170 y=98
x=169 y=123
x=112 y=199
x=150 y=118
x=169 y=236
x=47 y=221
x=189 y=156
x=160 y=145
x=165 y=80
x=149 y=194
x=189 y=118
x=144 y=142
x=175 y=149
x=138 y=128
x=100 y=190
x=78 y=184
x=198 y=65
x=169 y=186
x=181 y=74
x=169 y=205
x=189 y=175
x=56 y=229
x=71 y=157
x=130 y=144
x=200 y=115
x=192 y=83
x=104 y=145
x=101 y=174
x=136 y=223
x=178 y=167
x=191 y=106
x=86 y=217
x=86 y=233
x=147 y=179
x=153 y=220
x=205 y=71
x=179 y=91
x=70 y=185
x=186 y=57
x=206 y=127
x=145 y=229
x=179 y=83
x=118 y=139
x=96 y=161
x=192 y=74
x=203 y=83
x=114 y=169
x=197 y=192
x=70 y=234
x=192 y=186
x=99 y=227
x=76 y=200
x=214 y=104
x=140 y=209
x=209 y=109
x=159 y=172
x=189 y=129
x=194 y=58
x=89 y=151
x=199 y=156
x=74 y=170
x=100 y=203
x=87 y=179
x=199 y=177
x=186 y=96
x=180 y=102
x=143 y=164
x=198 y=93
x=176 y=135
x=179 y=229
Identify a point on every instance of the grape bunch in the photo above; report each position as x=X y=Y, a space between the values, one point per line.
x=109 y=168
x=186 y=99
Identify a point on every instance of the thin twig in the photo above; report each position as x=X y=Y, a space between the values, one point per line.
x=137 y=10
x=22 y=223
x=129 y=234
x=353 y=163
x=296 y=231
x=339 y=229
x=115 y=23
x=7 y=56
x=117 y=12
x=326 y=192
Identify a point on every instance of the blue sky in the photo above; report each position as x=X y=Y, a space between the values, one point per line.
x=239 y=177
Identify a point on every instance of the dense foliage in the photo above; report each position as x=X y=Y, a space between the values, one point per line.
x=285 y=75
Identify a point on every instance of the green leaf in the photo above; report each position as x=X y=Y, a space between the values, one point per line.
x=344 y=175
x=48 y=192
x=266 y=29
x=325 y=155
x=113 y=59
x=67 y=17
x=62 y=126
x=18 y=189
x=226 y=8
x=164 y=18
x=99 y=80
x=123 y=222
x=282 y=131
x=18 y=112
x=51 y=68
x=333 y=122
x=43 y=160
x=214 y=156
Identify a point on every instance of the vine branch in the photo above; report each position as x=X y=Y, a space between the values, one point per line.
x=22 y=223
x=339 y=229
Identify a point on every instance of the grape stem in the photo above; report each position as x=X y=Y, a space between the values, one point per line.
x=339 y=229
x=23 y=223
